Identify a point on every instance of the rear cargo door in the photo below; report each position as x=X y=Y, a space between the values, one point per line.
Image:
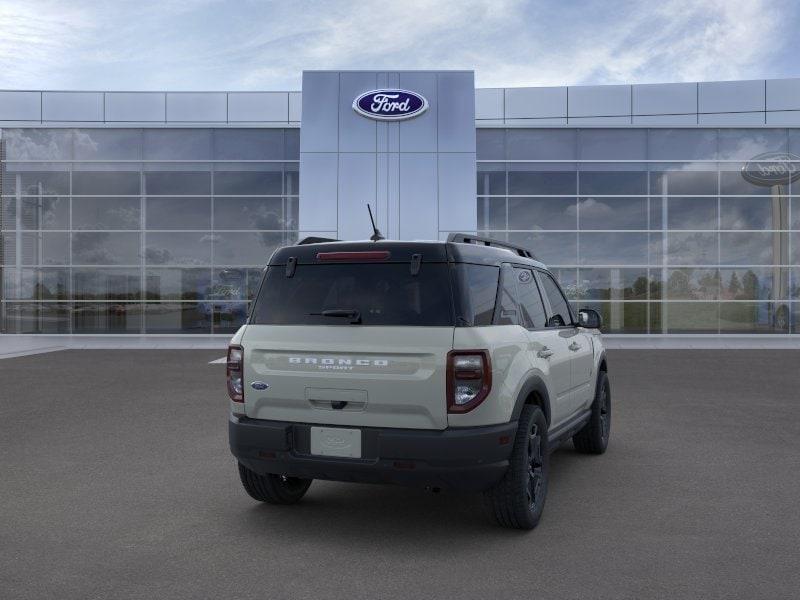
x=351 y=343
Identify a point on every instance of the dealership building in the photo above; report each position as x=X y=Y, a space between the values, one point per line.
x=669 y=208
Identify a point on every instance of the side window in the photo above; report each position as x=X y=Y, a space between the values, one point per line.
x=507 y=313
x=530 y=301
x=478 y=285
x=558 y=304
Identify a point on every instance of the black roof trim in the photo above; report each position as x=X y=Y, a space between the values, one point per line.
x=315 y=240
x=464 y=238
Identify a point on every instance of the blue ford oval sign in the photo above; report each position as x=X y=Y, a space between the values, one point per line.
x=390 y=105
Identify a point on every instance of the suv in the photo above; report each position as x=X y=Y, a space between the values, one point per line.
x=456 y=365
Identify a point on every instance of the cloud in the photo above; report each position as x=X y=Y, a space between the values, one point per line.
x=208 y=44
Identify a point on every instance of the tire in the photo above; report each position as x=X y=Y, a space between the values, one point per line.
x=593 y=438
x=273 y=489
x=518 y=500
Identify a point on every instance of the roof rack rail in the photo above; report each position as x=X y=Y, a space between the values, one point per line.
x=464 y=238
x=315 y=240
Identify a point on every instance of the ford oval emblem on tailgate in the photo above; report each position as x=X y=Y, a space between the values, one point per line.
x=259 y=385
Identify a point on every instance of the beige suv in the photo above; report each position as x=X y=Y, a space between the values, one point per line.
x=456 y=365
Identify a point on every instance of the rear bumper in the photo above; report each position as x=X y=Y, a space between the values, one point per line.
x=467 y=459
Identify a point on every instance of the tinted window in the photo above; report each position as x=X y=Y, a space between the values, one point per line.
x=507 y=309
x=558 y=304
x=383 y=294
x=530 y=302
x=478 y=291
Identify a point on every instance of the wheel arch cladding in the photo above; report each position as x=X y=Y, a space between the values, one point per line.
x=534 y=391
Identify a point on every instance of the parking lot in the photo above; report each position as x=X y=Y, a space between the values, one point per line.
x=116 y=482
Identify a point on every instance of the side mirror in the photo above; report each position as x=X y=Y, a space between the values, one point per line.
x=590 y=319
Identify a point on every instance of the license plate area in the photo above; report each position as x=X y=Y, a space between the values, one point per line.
x=336 y=441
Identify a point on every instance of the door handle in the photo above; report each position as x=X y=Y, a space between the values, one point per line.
x=574 y=347
x=544 y=353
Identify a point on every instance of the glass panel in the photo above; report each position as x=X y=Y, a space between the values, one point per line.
x=35 y=284
x=184 y=317
x=612 y=213
x=102 y=248
x=491 y=180
x=613 y=248
x=108 y=317
x=692 y=213
x=507 y=313
x=292 y=144
x=490 y=144
x=478 y=285
x=530 y=301
x=612 y=144
x=31 y=317
x=682 y=144
x=568 y=280
x=541 y=144
x=230 y=284
x=753 y=317
x=108 y=144
x=752 y=248
x=755 y=283
x=45 y=212
x=559 y=307
x=753 y=213
x=621 y=317
x=692 y=249
x=613 y=284
x=794 y=288
x=683 y=182
x=98 y=183
x=39 y=249
x=492 y=213
x=38 y=144
x=8 y=214
x=228 y=316
x=732 y=182
x=178 y=248
x=745 y=144
x=610 y=183
x=690 y=317
x=522 y=181
x=248 y=183
x=550 y=248
x=542 y=213
x=291 y=177
x=245 y=248
x=657 y=212
x=693 y=284
x=106 y=213
x=177 y=183
x=178 y=213
x=106 y=284
x=248 y=213
x=38 y=183
x=177 y=284
x=248 y=144
x=177 y=144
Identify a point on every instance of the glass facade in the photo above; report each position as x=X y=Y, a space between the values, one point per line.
x=657 y=229
x=141 y=230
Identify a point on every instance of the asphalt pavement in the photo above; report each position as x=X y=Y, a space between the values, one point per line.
x=116 y=482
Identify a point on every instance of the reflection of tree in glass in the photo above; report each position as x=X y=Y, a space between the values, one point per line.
x=749 y=285
x=734 y=287
x=639 y=288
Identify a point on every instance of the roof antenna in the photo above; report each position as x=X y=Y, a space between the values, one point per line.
x=376 y=236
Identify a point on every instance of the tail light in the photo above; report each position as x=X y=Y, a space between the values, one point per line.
x=469 y=379
x=235 y=373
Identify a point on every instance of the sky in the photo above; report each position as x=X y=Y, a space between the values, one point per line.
x=263 y=45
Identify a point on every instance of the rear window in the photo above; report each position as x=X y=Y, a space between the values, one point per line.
x=382 y=294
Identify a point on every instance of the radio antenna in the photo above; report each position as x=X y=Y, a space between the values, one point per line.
x=376 y=235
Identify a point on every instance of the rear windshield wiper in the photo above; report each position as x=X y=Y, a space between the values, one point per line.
x=345 y=313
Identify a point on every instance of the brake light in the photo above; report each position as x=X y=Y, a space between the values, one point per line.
x=235 y=373
x=469 y=379
x=355 y=256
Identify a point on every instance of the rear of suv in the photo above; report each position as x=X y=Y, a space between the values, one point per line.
x=449 y=365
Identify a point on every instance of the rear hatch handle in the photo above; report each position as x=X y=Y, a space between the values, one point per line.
x=344 y=313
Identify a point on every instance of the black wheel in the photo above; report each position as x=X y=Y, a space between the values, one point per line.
x=518 y=500
x=273 y=489
x=593 y=438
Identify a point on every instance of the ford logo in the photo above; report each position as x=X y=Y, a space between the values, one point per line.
x=772 y=168
x=259 y=385
x=390 y=105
